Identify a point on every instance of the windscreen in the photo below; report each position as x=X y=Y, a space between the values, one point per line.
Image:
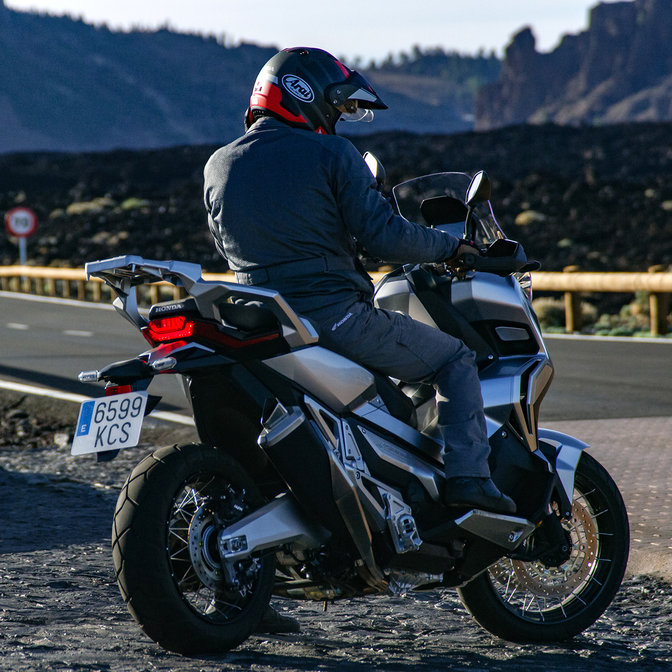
x=438 y=200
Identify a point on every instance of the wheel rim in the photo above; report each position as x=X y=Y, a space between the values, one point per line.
x=538 y=593
x=216 y=591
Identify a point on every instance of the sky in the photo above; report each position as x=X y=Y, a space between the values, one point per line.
x=368 y=29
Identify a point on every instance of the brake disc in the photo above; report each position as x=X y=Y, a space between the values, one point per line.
x=539 y=579
x=203 y=549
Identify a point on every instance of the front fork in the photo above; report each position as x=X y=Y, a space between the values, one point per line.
x=551 y=543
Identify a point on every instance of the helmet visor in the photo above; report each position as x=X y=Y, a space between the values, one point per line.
x=360 y=114
x=352 y=110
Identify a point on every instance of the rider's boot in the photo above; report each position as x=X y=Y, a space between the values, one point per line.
x=477 y=493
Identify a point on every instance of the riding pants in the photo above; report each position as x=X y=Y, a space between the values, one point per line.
x=398 y=346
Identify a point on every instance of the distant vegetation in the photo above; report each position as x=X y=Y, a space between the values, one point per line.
x=461 y=69
x=463 y=73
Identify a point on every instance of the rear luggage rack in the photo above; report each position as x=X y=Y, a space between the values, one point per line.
x=212 y=298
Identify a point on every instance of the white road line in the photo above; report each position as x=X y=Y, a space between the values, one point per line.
x=55 y=299
x=79 y=398
x=606 y=339
x=75 y=332
x=42 y=391
x=16 y=325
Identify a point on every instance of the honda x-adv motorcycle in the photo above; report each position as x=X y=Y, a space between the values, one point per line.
x=319 y=479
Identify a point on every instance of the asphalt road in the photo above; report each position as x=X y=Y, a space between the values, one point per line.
x=599 y=378
x=47 y=343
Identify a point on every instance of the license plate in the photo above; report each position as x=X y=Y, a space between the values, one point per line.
x=109 y=423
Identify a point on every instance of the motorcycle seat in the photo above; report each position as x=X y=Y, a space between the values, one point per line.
x=248 y=316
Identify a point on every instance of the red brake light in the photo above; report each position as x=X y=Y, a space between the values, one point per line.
x=170 y=328
x=179 y=327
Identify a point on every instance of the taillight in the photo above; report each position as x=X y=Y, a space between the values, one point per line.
x=170 y=329
x=180 y=327
x=111 y=390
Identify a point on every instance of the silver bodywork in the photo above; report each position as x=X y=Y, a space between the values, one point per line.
x=338 y=381
x=505 y=531
x=516 y=382
x=335 y=386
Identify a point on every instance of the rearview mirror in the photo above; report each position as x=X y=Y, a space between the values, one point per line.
x=376 y=168
x=479 y=190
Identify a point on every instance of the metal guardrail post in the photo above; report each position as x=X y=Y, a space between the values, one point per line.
x=573 y=321
x=659 y=308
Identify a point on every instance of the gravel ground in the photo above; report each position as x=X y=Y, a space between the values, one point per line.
x=60 y=608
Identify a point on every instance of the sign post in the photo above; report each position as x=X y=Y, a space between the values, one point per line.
x=21 y=223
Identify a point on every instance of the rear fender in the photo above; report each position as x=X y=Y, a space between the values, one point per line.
x=228 y=403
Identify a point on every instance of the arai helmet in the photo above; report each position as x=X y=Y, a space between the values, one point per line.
x=309 y=88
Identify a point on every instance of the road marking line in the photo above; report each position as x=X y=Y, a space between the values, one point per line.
x=55 y=299
x=43 y=391
x=17 y=325
x=605 y=339
x=79 y=398
x=75 y=332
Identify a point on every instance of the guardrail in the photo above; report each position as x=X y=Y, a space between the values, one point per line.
x=572 y=283
x=72 y=283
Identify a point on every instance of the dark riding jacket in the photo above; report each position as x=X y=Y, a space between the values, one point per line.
x=286 y=207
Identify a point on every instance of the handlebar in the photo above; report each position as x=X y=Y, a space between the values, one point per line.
x=503 y=257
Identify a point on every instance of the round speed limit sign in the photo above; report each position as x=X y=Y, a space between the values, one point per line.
x=20 y=222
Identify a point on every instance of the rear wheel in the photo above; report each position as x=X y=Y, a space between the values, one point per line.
x=164 y=542
x=534 y=602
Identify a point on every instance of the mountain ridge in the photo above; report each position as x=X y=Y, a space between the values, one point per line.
x=71 y=86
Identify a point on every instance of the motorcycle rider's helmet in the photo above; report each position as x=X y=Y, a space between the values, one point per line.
x=308 y=88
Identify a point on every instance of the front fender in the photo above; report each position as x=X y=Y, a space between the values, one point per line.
x=564 y=454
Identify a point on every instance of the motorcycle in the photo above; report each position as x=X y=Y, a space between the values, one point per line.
x=319 y=479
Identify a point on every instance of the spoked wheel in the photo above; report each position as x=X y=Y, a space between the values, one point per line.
x=164 y=540
x=535 y=602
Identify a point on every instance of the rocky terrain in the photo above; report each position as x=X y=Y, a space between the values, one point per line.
x=618 y=70
x=60 y=609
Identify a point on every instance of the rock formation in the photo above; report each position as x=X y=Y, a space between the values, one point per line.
x=618 y=70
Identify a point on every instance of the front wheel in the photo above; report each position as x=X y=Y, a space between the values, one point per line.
x=164 y=545
x=534 y=602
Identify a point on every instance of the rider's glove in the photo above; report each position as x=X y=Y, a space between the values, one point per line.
x=463 y=251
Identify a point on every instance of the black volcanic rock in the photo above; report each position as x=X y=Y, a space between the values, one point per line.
x=619 y=70
x=604 y=195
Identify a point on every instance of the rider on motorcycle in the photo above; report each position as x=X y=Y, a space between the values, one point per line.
x=287 y=203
